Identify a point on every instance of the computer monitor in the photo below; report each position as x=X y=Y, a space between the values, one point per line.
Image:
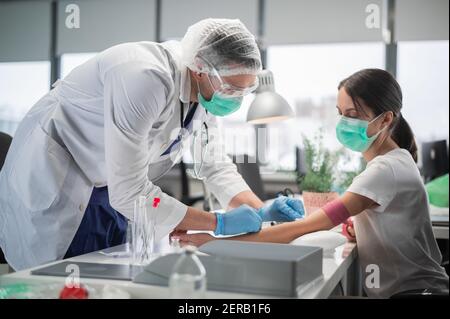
x=434 y=159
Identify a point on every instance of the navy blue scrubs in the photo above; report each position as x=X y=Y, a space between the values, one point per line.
x=100 y=228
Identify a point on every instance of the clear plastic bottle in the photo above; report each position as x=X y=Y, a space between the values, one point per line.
x=143 y=231
x=188 y=278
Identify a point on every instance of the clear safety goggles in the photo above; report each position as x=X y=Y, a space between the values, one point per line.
x=225 y=89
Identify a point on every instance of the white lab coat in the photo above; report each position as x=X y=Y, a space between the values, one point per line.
x=106 y=123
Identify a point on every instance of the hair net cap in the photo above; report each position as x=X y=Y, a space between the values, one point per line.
x=225 y=45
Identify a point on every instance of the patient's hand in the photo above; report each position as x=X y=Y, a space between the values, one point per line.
x=176 y=234
x=197 y=239
x=348 y=230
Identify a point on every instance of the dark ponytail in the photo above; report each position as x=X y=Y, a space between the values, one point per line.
x=404 y=136
x=380 y=92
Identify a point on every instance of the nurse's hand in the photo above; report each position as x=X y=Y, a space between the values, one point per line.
x=283 y=209
x=197 y=239
x=243 y=219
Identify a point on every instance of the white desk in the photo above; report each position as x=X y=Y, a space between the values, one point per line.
x=439 y=220
x=336 y=266
x=440 y=232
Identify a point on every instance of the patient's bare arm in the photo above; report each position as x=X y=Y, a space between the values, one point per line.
x=283 y=233
x=319 y=220
x=287 y=232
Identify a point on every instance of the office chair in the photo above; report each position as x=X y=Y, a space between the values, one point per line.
x=249 y=170
x=179 y=190
x=434 y=160
x=5 y=142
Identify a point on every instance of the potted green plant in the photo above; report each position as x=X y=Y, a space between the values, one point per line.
x=317 y=183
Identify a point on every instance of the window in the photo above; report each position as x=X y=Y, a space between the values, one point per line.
x=238 y=135
x=71 y=60
x=424 y=77
x=22 y=84
x=307 y=76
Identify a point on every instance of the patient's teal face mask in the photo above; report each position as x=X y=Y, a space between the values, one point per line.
x=220 y=106
x=352 y=133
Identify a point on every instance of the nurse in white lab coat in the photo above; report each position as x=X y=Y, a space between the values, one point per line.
x=106 y=132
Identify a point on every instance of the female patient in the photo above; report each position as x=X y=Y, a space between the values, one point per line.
x=388 y=200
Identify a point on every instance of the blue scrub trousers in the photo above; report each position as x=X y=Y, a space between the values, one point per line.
x=100 y=228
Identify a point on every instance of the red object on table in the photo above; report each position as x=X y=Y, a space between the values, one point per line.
x=73 y=293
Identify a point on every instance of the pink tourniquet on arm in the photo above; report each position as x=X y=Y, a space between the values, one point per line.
x=336 y=212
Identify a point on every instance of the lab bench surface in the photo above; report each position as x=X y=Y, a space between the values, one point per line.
x=339 y=265
x=439 y=220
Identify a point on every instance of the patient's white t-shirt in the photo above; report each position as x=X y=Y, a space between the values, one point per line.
x=395 y=239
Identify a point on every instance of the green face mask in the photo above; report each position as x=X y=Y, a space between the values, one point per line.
x=220 y=106
x=352 y=133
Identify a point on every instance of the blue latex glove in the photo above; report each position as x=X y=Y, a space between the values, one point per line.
x=283 y=209
x=243 y=219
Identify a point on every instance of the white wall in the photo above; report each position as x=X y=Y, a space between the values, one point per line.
x=177 y=16
x=417 y=20
x=318 y=21
x=25 y=26
x=104 y=23
x=24 y=31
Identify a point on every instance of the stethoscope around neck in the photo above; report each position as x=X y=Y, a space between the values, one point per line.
x=195 y=172
x=203 y=134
